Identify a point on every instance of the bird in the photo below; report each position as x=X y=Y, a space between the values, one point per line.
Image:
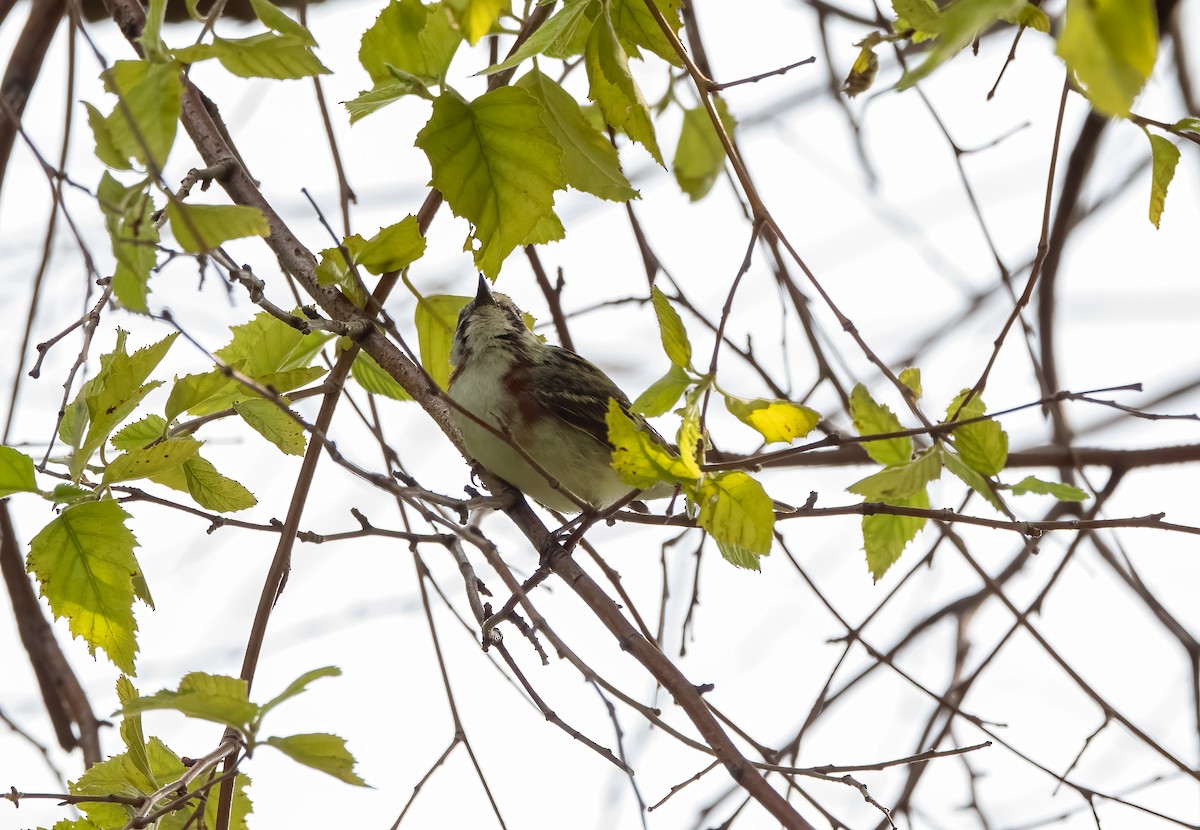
x=547 y=403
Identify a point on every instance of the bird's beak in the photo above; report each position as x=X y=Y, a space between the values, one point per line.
x=483 y=296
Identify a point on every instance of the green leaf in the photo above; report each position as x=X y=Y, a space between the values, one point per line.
x=983 y=445
x=961 y=22
x=1166 y=157
x=200 y=228
x=689 y=436
x=121 y=775
x=270 y=352
x=211 y=697
x=117 y=774
x=636 y=27
x=211 y=490
x=16 y=473
x=871 y=418
x=270 y=421
x=84 y=561
x=376 y=99
x=410 y=36
x=1110 y=46
x=140 y=433
x=555 y=37
x=131 y=733
x=112 y=395
x=922 y=16
x=128 y=217
x=1190 y=125
x=911 y=377
x=903 y=481
x=663 y=393
x=1062 y=492
x=436 y=317
x=268 y=55
x=106 y=144
x=775 y=420
x=590 y=161
x=151 y=461
x=142 y=124
x=975 y=481
x=276 y=19
x=326 y=753
x=1031 y=17
x=299 y=685
x=612 y=87
x=334 y=269
x=477 y=18
x=190 y=391
x=886 y=536
x=700 y=155
x=670 y=328
x=393 y=248
x=151 y=36
x=69 y=494
x=498 y=166
x=372 y=378
x=639 y=459
x=738 y=515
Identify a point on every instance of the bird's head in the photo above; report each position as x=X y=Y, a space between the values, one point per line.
x=491 y=324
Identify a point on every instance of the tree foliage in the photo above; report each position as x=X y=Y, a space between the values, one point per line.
x=523 y=109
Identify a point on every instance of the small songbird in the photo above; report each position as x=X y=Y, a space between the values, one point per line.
x=546 y=400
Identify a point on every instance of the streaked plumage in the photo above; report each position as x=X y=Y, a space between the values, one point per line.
x=550 y=401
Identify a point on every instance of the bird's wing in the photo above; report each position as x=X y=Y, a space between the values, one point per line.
x=578 y=393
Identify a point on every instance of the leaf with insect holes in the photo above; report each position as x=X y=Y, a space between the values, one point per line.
x=145 y=462
x=641 y=461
